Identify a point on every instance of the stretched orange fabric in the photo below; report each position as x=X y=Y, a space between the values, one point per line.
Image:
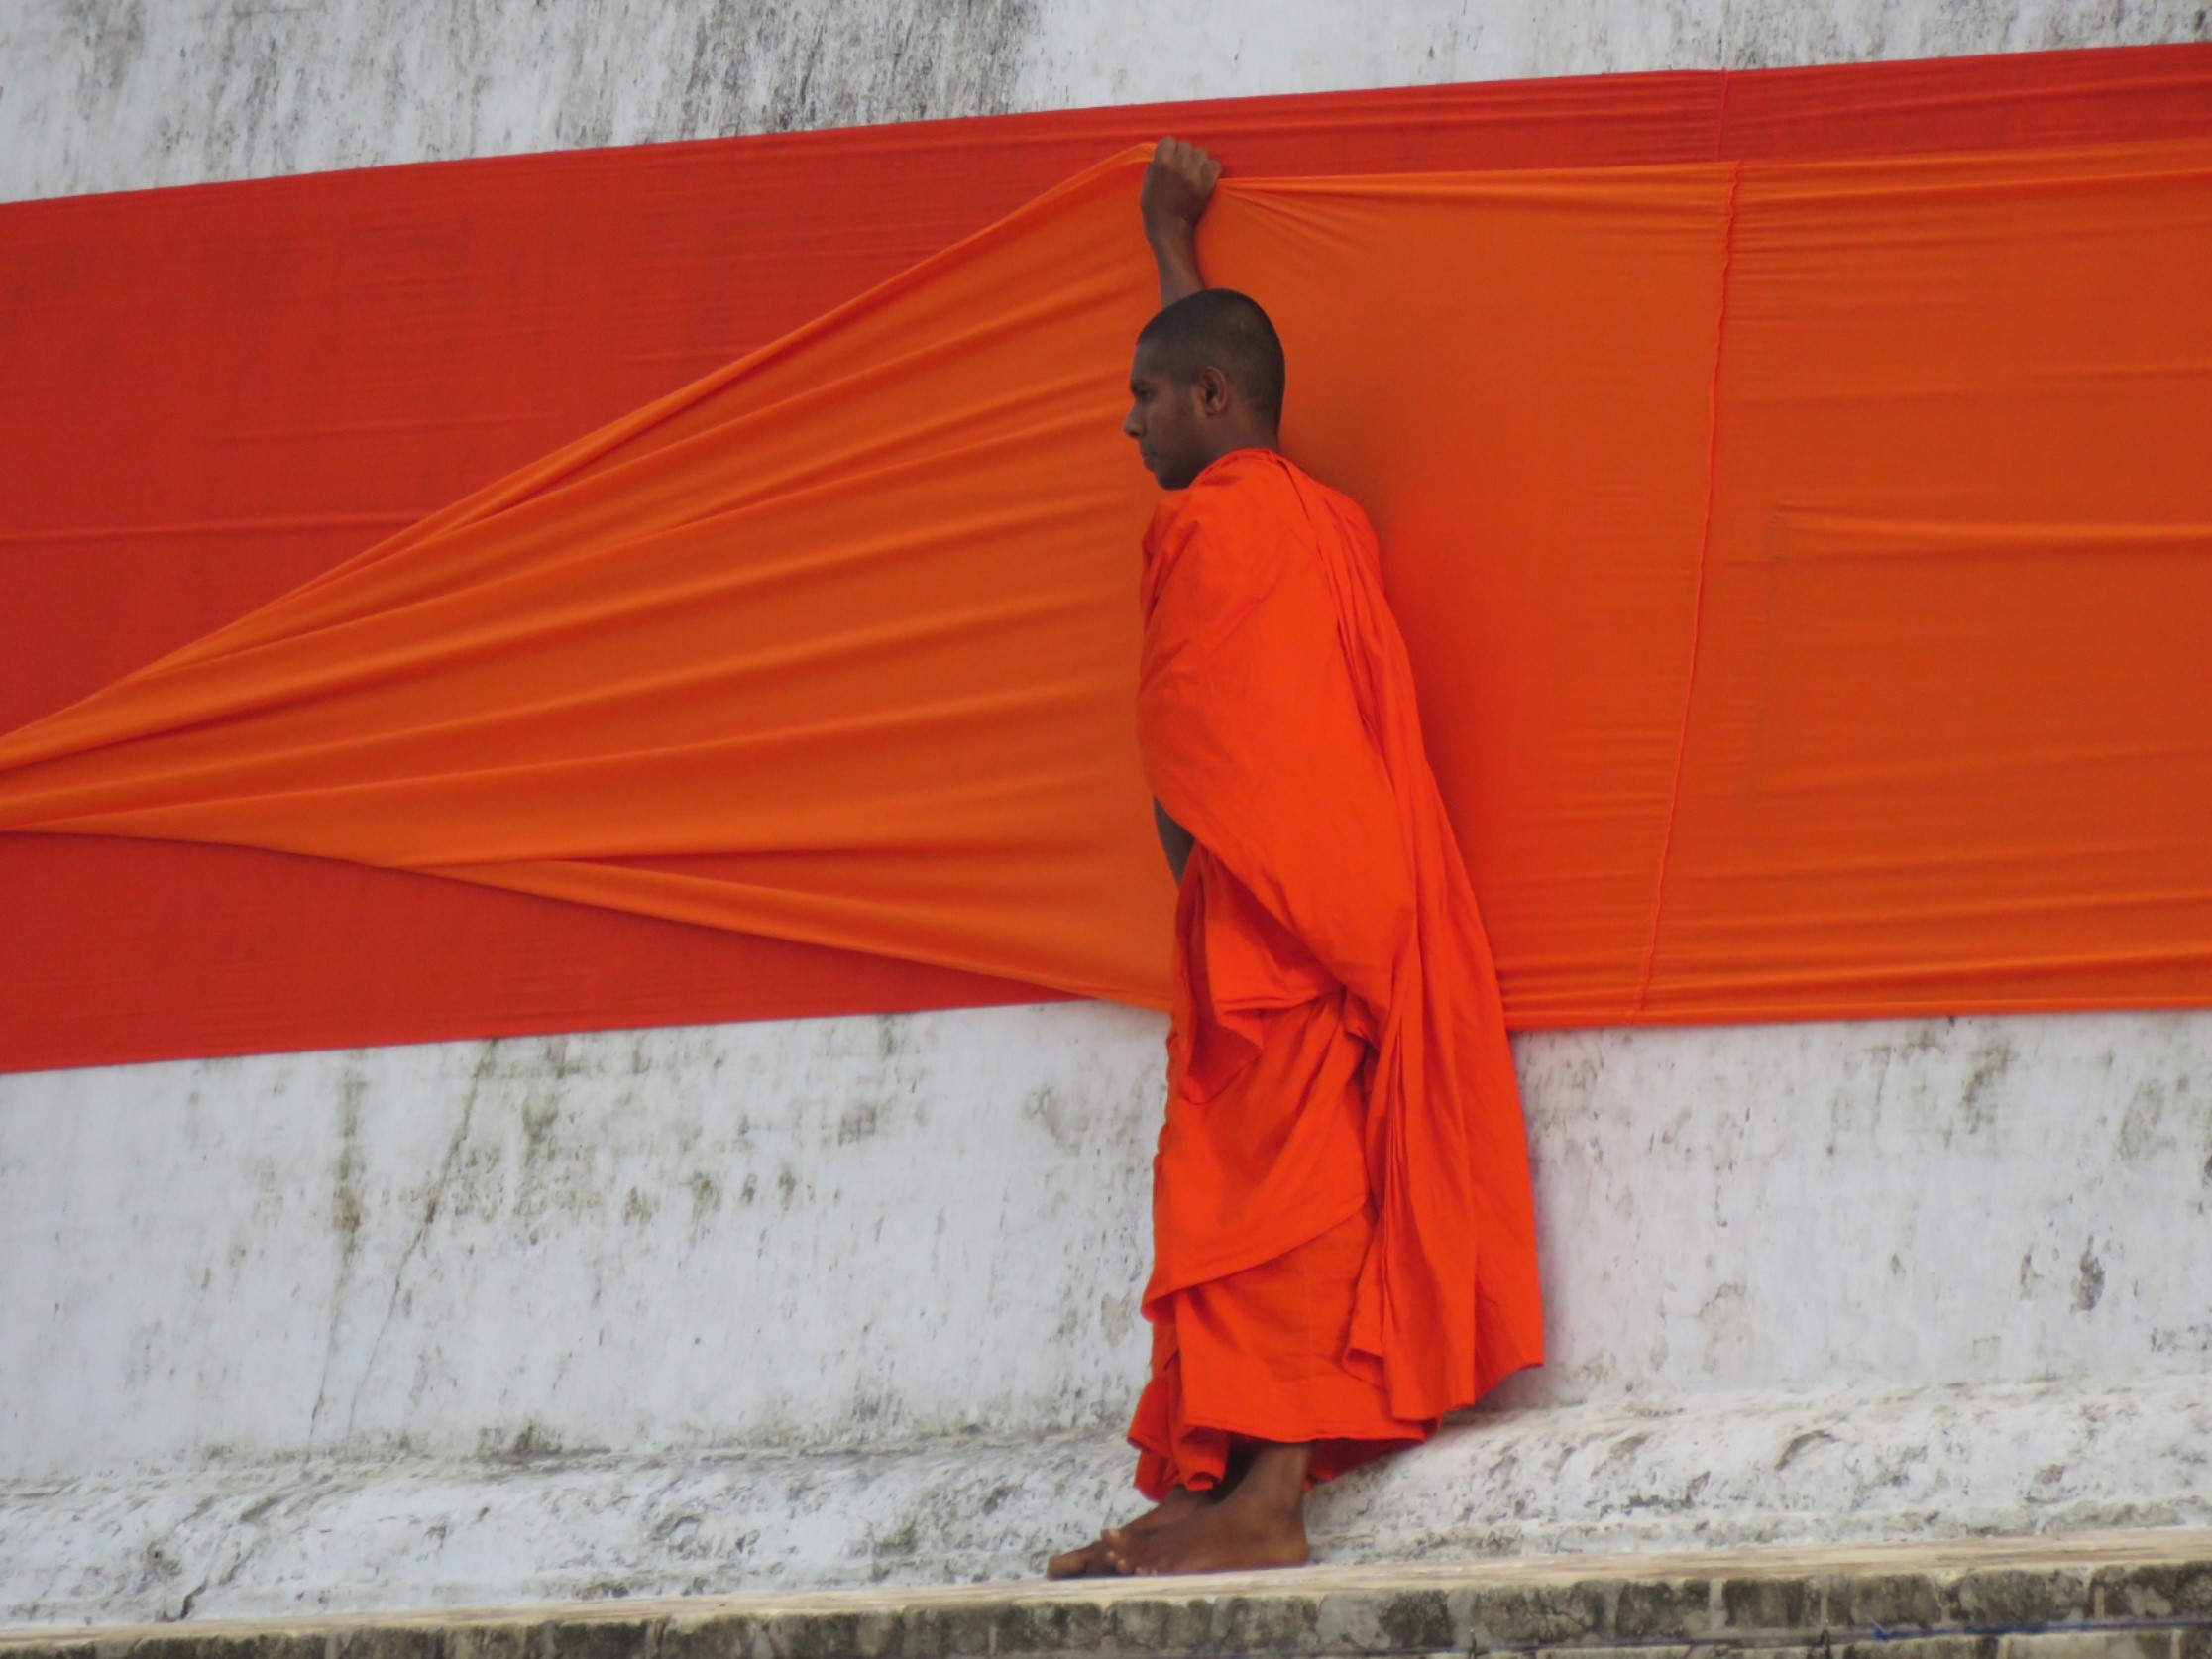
x=326 y=358
x=817 y=648
x=1802 y=564
x=1338 y=1047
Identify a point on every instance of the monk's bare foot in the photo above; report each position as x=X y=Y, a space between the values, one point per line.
x=1091 y=1562
x=1261 y=1523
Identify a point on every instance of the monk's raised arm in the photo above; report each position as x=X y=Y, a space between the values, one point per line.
x=1177 y=186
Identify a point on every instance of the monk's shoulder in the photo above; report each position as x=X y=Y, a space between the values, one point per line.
x=1245 y=512
x=1330 y=510
x=1268 y=486
x=1258 y=483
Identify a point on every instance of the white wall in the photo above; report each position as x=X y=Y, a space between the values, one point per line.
x=794 y=1234
x=694 y=1308
x=126 y=94
x=856 y=1233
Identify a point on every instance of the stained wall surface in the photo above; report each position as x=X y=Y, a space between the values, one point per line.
x=853 y=1234
x=815 y=1301
x=128 y=94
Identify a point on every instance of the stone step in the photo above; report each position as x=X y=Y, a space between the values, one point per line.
x=2144 y=1594
x=241 y=1538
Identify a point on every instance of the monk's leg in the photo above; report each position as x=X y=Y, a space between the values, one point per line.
x=1260 y=1522
x=1091 y=1561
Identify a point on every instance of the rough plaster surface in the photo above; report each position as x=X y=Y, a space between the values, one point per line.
x=123 y=94
x=2108 y=1594
x=264 y=1540
x=855 y=1234
x=1899 y=1201
x=810 y=1301
x=823 y=1302
x=790 y=1233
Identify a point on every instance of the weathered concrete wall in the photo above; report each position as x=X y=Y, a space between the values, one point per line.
x=856 y=1234
x=810 y=1301
x=798 y=1301
x=790 y=1235
x=125 y=94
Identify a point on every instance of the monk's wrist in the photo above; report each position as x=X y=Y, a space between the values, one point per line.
x=1175 y=235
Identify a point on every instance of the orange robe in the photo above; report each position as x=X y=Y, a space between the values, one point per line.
x=1344 y=1247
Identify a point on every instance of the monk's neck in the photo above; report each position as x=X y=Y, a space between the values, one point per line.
x=1260 y=441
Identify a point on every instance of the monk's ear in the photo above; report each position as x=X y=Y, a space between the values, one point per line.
x=1214 y=393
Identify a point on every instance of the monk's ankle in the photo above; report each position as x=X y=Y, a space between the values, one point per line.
x=1275 y=1475
x=1269 y=1504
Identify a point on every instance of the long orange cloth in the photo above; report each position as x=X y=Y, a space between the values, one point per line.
x=1804 y=568
x=1338 y=1049
x=332 y=352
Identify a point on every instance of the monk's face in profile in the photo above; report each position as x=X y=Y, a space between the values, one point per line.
x=1182 y=424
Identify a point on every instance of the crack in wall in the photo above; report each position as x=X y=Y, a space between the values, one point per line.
x=428 y=1219
x=346 y=1220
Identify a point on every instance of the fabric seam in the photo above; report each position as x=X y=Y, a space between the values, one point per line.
x=1698 y=592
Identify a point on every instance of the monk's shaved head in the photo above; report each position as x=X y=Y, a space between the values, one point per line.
x=1206 y=382
x=1220 y=328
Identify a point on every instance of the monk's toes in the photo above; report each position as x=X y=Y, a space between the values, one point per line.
x=1088 y=1562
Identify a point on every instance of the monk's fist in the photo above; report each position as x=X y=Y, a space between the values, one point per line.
x=1177 y=186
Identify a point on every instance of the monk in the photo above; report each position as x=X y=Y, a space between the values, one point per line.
x=1343 y=1237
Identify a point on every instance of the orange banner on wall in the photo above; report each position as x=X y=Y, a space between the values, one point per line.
x=326 y=359
x=1805 y=565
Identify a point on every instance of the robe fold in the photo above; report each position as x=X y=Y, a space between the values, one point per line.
x=1344 y=1243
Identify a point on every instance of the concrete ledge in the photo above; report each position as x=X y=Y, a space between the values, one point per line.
x=262 y=1540
x=2116 y=1596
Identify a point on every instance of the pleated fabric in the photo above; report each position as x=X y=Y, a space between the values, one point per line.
x=1338 y=1049
x=327 y=358
x=1802 y=566
x=1258 y=1355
